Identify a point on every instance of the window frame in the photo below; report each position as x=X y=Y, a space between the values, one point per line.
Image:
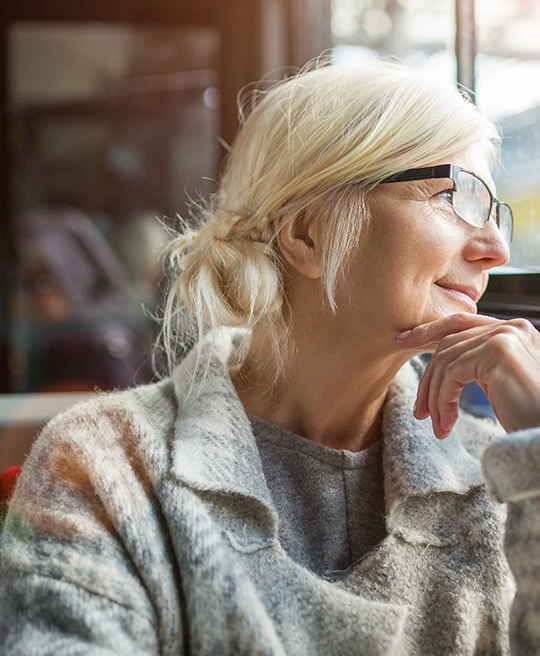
x=508 y=295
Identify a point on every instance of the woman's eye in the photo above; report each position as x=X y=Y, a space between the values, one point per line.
x=446 y=194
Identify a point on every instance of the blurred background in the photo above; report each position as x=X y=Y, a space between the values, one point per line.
x=116 y=116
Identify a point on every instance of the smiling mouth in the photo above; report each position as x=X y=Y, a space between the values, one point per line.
x=468 y=295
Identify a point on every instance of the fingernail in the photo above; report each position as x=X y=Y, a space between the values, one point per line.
x=415 y=408
x=403 y=336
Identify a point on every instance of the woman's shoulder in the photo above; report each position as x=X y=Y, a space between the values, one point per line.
x=87 y=495
x=152 y=406
x=116 y=435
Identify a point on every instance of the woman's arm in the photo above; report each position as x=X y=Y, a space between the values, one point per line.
x=504 y=358
x=44 y=615
x=512 y=471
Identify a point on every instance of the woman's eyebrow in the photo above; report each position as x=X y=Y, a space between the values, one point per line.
x=433 y=184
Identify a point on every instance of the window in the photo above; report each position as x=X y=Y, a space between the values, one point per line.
x=507 y=89
x=114 y=128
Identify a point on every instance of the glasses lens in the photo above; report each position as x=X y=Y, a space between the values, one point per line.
x=506 y=221
x=472 y=200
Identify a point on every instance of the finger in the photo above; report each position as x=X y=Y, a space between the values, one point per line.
x=439 y=399
x=445 y=352
x=421 y=406
x=450 y=369
x=518 y=328
x=431 y=333
x=456 y=375
x=443 y=418
x=432 y=400
x=444 y=410
x=502 y=358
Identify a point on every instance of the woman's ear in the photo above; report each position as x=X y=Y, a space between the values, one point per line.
x=297 y=240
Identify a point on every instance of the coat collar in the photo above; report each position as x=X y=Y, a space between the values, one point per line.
x=215 y=450
x=415 y=462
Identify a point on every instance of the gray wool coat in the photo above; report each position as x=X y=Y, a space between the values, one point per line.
x=142 y=524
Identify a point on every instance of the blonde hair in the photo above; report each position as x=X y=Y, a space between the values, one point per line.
x=325 y=136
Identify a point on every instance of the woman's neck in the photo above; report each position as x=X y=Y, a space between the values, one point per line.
x=334 y=399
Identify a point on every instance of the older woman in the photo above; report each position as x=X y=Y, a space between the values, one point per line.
x=284 y=491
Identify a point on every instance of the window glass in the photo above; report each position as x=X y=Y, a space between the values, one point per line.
x=114 y=129
x=422 y=33
x=508 y=90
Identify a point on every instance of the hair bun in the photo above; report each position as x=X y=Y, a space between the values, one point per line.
x=226 y=272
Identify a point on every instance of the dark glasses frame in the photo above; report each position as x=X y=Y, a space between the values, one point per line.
x=451 y=171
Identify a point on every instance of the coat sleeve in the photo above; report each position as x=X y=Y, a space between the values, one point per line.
x=46 y=616
x=83 y=571
x=512 y=471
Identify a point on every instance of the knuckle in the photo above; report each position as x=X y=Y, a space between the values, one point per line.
x=463 y=319
x=448 y=351
x=445 y=344
x=458 y=372
x=503 y=343
x=523 y=325
x=453 y=367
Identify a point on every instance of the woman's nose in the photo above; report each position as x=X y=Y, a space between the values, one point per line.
x=488 y=244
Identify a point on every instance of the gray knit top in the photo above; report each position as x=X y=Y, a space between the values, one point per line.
x=330 y=502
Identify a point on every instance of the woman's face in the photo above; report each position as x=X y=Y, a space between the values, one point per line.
x=418 y=261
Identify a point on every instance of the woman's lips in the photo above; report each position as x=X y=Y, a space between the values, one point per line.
x=469 y=295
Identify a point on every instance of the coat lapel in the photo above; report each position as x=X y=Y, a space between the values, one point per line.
x=419 y=469
x=214 y=449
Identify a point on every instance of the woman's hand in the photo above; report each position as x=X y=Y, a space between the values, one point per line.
x=503 y=357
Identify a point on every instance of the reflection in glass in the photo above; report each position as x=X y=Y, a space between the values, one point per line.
x=114 y=131
x=421 y=33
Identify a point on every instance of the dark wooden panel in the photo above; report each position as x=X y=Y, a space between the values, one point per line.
x=240 y=58
x=6 y=250
x=310 y=33
x=261 y=38
x=303 y=32
x=513 y=295
x=186 y=12
x=7 y=239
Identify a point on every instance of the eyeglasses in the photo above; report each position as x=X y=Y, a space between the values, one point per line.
x=471 y=198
